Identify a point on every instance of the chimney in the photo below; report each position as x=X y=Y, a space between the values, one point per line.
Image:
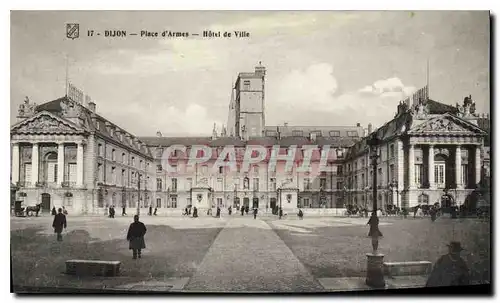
x=369 y=128
x=358 y=124
x=260 y=70
x=92 y=106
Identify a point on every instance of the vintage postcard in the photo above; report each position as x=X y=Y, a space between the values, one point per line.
x=250 y=151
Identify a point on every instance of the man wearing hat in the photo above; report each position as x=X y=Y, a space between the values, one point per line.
x=450 y=269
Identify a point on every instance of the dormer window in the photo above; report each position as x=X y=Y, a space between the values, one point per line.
x=334 y=133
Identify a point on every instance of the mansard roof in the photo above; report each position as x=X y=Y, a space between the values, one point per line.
x=236 y=142
x=90 y=120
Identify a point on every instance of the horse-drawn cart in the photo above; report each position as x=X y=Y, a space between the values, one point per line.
x=20 y=211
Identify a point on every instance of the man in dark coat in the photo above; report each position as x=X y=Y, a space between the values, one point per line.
x=242 y=210
x=450 y=269
x=255 y=210
x=230 y=210
x=135 y=236
x=195 y=212
x=374 y=232
x=156 y=210
x=433 y=212
x=54 y=211
x=59 y=223
x=300 y=214
x=150 y=212
x=217 y=214
x=124 y=208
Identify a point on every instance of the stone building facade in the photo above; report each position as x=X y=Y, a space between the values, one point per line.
x=65 y=154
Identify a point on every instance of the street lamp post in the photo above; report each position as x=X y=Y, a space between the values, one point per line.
x=374 y=273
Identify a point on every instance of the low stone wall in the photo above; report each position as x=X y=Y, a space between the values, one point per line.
x=410 y=268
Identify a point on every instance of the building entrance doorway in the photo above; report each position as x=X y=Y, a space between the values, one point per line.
x=273 y=204
x=45 y=202
x=255 y=203
x=246 y=202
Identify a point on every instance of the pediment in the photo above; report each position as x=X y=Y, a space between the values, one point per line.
x=46 y=123
x=446 y=124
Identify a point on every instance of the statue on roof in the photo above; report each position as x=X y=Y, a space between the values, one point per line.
x=70 y=110
x=27 y=108
x=468 y=108
x=214 y=132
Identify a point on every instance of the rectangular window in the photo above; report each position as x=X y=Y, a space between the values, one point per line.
x=174 y=185
x=464 y=175
x=218 y=186
x=100 y=150
x=99 y=173
x=256 y=169
x=246 y=85
x=391 y=173
x=204 y=170
x=380 y=180
x=297 y=133
x=439 y=175
x=307 y=184
x=317 y=133
x=272 y=183
x=219 y=202
x=418 y=174
x=124 y=158
x=27 y=172
x=352 y=134
x=158 y=202
x=355 y=181
x=362 y=181
x=307 y=203
x=334 y=133
x=322 y=183
x=174 y=202
x=51 y=172
x=113 y=152
x=391 y=148
x=113 y=176
x=339 y=170
x=221 y=170
x=133 y=161
x=255 y=184
x=271 y=133
x=159 y=184
x=122 y=179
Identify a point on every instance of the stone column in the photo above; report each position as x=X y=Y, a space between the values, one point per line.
x=458 y=167
x=400 y=167
x=60 y=163
x=477 y=164
x=34 y=164
x=79 y=164
x=15 y=163
x=430 y=168
x=411 y=166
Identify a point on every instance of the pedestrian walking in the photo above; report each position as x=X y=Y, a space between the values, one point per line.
x=247 y=209
x=300 y=214
x=374 y=232
x=135 y=236
x=112 y=211
x=156 y=209
x=150 y=212
x=59 y=223
x=217 y=214
x=255 y=210
x=433 y=213
x=450 y=269
x=230 y=210
x=54 y=211
x=124 y=208
x=242 y=210
x=195 y=212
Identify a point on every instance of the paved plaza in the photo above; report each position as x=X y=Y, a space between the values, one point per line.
x=239 y=254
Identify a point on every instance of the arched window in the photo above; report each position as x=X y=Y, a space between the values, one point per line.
x=159 y=184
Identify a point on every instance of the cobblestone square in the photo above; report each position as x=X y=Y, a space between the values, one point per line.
x=236 y=254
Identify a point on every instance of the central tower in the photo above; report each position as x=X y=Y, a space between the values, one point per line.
x=246 y=110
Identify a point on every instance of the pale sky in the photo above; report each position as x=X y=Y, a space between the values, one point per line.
x=323 y=68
